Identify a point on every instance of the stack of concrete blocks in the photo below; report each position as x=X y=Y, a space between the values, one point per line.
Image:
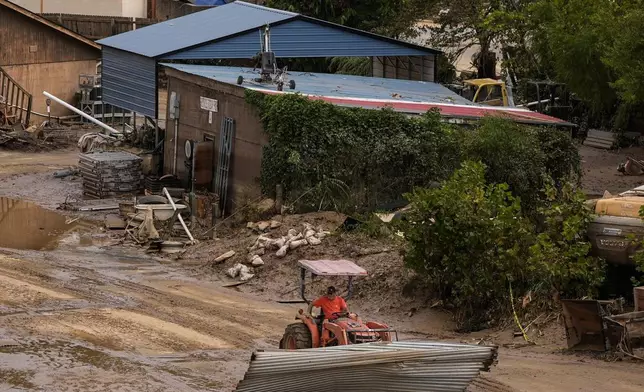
x=110 y=174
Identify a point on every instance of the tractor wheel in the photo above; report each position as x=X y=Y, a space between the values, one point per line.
x=296 y=337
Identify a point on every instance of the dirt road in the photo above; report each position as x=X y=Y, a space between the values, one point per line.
x=82 y=319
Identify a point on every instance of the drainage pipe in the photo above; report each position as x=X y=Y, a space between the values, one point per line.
x=83 y=114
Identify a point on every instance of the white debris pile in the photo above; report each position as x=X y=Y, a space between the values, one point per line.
x=293 y=240
x=242 y=271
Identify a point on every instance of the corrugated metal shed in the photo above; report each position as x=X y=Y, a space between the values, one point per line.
x=369 y=367
x=195 y=29
x=299 y=38
x=188 y=34
x=233 y=31
x=129 y=80
x=406 y=96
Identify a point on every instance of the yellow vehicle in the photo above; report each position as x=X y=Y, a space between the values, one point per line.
x=485 y=92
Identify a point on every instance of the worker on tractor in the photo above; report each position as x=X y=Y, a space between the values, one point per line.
x=332 y=305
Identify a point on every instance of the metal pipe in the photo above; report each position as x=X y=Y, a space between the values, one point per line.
x=174 y=207
x=81 y=113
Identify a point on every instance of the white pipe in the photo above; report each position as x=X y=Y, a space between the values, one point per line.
x=165 y=192
x=83 y=114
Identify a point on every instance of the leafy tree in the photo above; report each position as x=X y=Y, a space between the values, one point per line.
x=393 y=18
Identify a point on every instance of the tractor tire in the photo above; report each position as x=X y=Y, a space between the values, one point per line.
x=296 y=337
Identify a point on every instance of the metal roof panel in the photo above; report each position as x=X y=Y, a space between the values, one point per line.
x=407 y=96
x=346 y=86
x=333 y=267
x=195 y=29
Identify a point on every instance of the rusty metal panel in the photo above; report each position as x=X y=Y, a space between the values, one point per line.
x=204 y=160
x=584 y=324
x=333 y=267
x=638 y=294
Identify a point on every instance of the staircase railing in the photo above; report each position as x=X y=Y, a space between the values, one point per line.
x=15 y=101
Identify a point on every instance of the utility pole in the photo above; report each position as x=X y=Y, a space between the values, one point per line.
x=42 y=6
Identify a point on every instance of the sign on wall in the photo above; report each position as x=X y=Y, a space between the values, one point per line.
x=209 y=104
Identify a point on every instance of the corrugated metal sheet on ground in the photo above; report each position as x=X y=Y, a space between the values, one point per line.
x=406 y=96
x=398 y=366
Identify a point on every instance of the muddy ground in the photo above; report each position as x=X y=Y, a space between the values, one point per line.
x=80 y=313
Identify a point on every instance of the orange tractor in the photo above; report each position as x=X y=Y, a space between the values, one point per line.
x=337 y=329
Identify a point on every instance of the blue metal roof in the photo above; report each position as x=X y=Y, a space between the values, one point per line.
x=298 y=38
x=195 y=29
x=232 y=31
x=336 y=85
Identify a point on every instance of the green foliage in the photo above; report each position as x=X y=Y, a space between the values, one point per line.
x=394 y=18
x=624 y=55
x=470 y=240
x=512 y=155
x=326 y=156
x=377 y=155
x=360 y=66
x=467 y=238
x=561 y=250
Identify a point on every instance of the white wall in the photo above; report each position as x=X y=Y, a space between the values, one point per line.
x=129 y=8
x=135 y=8
x=31 y=5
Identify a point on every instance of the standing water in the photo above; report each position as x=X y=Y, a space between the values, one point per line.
x=25 y=225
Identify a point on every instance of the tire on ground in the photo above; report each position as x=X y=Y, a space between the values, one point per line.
x=300 y=334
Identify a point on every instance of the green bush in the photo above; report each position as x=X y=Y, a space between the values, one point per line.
x=561 y=250
x=512 y=155
x=470 y=240
x=327 y=156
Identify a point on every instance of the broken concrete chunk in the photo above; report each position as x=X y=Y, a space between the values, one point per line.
x=244 y=277
x=234 y=271
x=225 y=256
x=257 y=261
x=292 y=233
x=313 y=241
x=250 y=225
x=263 y=226
x=309 y=233
x=298 y=243
x=282 y=251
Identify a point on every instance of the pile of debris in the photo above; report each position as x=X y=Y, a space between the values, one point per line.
x=602 y=326
x=309 y=236
x=282 y=245
x=110 y=174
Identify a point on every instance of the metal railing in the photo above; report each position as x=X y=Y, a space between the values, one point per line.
x=15 y=101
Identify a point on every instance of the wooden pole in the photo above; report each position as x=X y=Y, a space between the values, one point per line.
x=42 y=6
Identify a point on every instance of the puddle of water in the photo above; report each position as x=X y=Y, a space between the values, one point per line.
x=25 y=225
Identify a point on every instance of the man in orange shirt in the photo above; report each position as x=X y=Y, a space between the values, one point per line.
x=332 y=305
